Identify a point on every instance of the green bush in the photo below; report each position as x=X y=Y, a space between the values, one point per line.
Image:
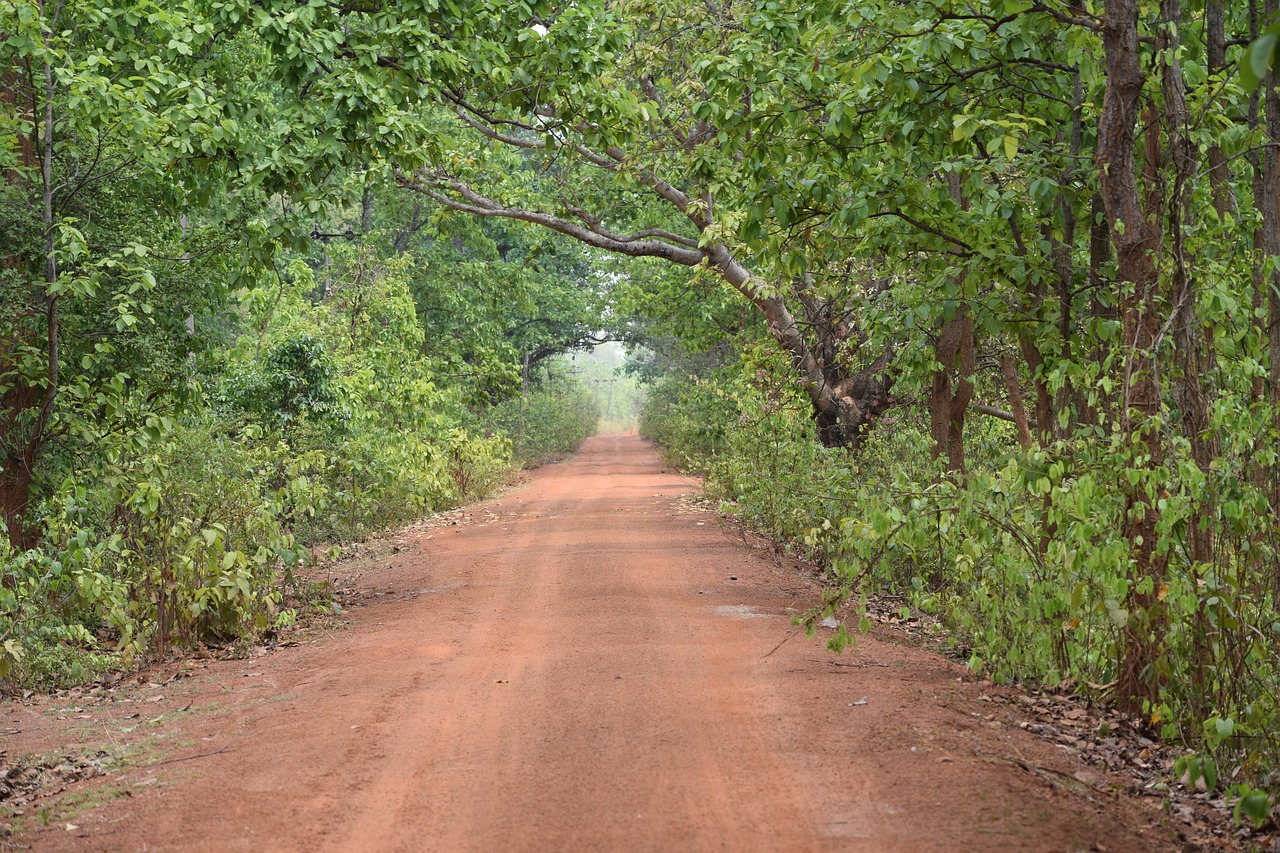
x=324 y=426
x=689 y=418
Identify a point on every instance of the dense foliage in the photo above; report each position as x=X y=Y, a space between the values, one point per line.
x=549 y=423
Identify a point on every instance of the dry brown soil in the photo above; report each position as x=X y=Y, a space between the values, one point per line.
x=584 y=667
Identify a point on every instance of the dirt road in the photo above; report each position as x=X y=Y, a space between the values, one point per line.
x=584 y=667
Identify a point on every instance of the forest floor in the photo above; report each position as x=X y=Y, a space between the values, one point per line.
x=588 y=663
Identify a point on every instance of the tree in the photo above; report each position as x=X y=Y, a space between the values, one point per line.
x=139 y=131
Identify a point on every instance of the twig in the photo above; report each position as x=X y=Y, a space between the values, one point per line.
x=1056 y=778
x=184 y=758
x=856 y=665
x=784 y=640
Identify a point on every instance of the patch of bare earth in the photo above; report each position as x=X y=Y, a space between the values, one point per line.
x=581 y=665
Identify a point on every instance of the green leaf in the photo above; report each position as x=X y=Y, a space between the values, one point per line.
x=1209 y=771
x=1259 y=58
x=1255 y=805
x=15 y=650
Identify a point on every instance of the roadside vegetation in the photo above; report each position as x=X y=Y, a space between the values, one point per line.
x=1023 y=562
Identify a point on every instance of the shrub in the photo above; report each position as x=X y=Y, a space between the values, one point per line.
x=548 y=422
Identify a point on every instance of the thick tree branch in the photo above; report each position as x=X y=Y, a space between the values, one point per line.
x=467 y=200
x=993 y=412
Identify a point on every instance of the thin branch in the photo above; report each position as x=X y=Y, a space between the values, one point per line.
x=1090 y=22
x=927 y=229
x=593 y=223
x=504 y=138
x=185 y=758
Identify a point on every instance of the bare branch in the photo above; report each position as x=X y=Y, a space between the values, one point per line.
x=1091 y=22
x=926 y=228
x=992 y=411
x=488 y=131
x=593 y=222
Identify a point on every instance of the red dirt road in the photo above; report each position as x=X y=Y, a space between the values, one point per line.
x=578 y=672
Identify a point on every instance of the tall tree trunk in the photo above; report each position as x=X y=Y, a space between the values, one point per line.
x=19 y=399
x=1101 y=307
x=1193 y=403
x=1271 y=219
x=1191 y=347
x=1009 y=369
x=1030 y=351
x=1216 y=49
x=1271 y=244
x=1136 y=243
x=1259 y=161
x=366 y=210
x=1068 y=405
x=948 y=406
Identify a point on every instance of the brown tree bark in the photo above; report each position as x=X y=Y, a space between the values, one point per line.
x=1271 y=218
x=1100 y=307
x=19 y=400
x=1009 y=369
x=1190 y=348
x=1258 y=161
x=1216 y=50
x=1043 y=411
x=1068 y=403
x=949 y=405
x=366 y=210
x=1136 y=242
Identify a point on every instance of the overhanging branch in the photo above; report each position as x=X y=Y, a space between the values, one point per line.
x=457 y=195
